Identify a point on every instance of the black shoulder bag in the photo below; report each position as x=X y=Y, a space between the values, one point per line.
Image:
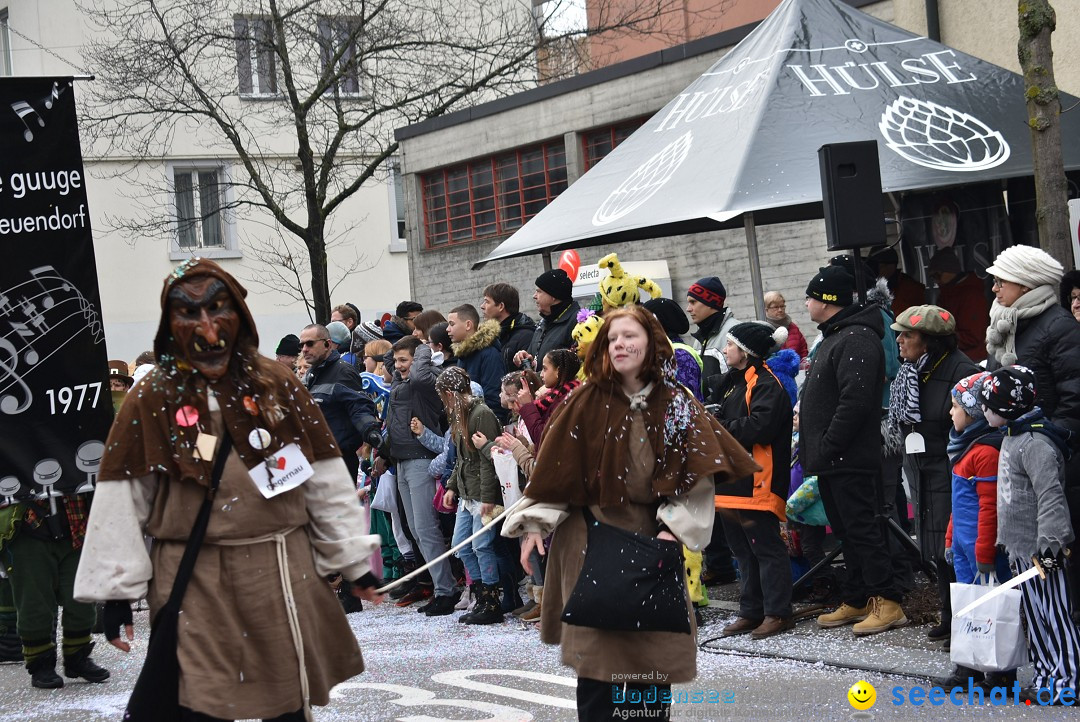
x=156 y=696
x=629 y=582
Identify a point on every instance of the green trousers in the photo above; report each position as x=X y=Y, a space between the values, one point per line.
x=393 y=562
x=42 y=577
x=7 y=607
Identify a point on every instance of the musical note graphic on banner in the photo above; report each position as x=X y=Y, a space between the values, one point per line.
x=53 y=96
x=48 y=313
x=24 y=109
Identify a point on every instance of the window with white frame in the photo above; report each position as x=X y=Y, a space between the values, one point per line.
x=396 y=189
x=256 y=61
x=199 y=196
x=5 y=44
x=339 y=37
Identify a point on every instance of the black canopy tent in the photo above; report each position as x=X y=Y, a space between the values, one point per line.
x=739 y=145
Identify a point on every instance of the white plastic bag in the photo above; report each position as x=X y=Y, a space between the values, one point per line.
x=507 y=471
x=989 y=638
x=386 y=494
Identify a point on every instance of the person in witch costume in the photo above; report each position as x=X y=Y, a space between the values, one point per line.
x=262 y=635
x=640 y=452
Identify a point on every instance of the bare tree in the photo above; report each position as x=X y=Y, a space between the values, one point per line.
x=302 y=96
x=1037 y=22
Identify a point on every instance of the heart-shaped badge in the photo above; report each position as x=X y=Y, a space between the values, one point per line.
x=915 y=320
x=945 y=315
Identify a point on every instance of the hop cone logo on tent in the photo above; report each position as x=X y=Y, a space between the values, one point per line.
x=936 y=136
x=644 y=182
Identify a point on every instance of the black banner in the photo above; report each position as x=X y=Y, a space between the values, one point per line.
x=55 y=405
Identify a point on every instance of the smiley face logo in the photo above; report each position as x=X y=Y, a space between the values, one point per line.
x=862 y=695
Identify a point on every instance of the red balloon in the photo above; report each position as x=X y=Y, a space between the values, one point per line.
x=570 y=262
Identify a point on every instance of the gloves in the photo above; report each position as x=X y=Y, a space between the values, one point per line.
x=117 y=615
x=988 y=568
x=949 y=555
x=373 y=438
x=1050 y=561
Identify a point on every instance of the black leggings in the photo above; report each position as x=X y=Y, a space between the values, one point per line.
x=597 y=701
x=190 y=716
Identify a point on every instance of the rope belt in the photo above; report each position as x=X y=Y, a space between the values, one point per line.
x=278 y=538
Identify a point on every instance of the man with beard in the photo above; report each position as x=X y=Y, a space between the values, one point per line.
x=256 y=600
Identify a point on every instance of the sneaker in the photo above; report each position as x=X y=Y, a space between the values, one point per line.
x=401 y=590
x=417 y=594
x=844 y=614
x=885 y=614
x=440 y=606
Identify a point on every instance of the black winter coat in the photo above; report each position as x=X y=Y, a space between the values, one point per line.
x=515 y=335
x=336 y=386
x=552 y=333
x=840 y=408
x=763 y=427
x=1049 y=345
x=935 y=400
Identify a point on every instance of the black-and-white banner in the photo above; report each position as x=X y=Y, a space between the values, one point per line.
x=55 y=405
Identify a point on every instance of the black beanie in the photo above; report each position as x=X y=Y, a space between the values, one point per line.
x=669 y=314
x=756 y=338
x=556 y=283
x=1009 y=392
x=288 y=346
x=709 y=291
x=832 y=284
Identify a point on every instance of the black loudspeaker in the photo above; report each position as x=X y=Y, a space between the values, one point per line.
x=851 y=195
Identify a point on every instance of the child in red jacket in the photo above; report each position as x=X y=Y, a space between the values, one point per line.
x=971 y=539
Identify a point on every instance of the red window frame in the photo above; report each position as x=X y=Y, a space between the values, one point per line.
x=595 y=144
x=491 y=196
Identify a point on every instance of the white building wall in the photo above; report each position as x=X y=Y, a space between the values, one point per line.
x=131 y=272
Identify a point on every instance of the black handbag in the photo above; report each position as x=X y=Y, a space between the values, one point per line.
x=156 y=696
x=629 y=583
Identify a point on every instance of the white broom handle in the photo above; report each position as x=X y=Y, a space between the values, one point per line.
x=413 y=573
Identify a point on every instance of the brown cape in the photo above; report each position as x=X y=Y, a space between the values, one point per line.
x=146 y=435
x=585 y=457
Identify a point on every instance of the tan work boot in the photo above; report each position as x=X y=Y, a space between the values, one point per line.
x=844 y=614
x=885 y=614
x=533 y=615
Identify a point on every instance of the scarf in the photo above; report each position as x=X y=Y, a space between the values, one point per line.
x=904 y=398
x=978 y=431
x=548 y=401
x=785 y=321
x=1001 y=334
x=587 y=445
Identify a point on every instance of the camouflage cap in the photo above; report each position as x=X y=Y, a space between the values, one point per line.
x=931 y=320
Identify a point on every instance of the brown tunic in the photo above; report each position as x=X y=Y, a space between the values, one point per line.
x=601 y=654
x=237 y=655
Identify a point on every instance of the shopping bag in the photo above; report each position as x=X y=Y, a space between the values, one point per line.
x=386 y=494
x=989 y=638
x=507 y=471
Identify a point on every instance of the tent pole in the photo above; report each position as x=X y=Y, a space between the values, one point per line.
x=755 y=265
x=547 y=261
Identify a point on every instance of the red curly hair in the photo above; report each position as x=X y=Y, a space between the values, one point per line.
x=659 y=352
